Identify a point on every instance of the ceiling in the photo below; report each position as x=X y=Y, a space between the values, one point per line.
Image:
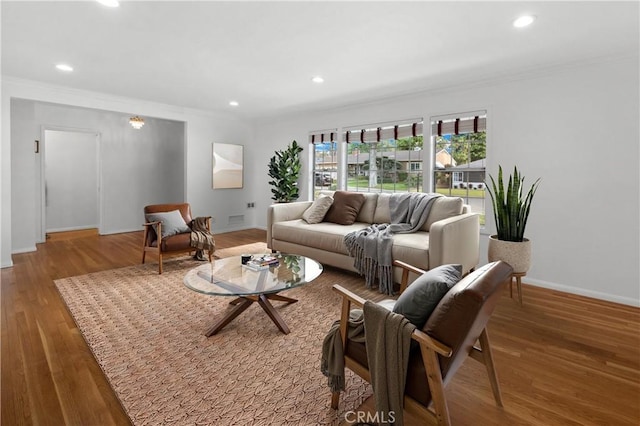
x=263 y=54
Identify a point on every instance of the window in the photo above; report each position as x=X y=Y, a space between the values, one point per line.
x=460 y=146
x=325 y=160
x=385 y=158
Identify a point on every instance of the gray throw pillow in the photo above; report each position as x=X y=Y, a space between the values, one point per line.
x=172 y=223
x=422 y=296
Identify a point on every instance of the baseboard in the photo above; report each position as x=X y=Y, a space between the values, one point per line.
x=23 y=250
x=7 y=265
x=583 y=292
x=72 y=228
x=121 y=231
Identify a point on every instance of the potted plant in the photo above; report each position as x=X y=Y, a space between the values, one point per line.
x=284 y=170
x=511 y=210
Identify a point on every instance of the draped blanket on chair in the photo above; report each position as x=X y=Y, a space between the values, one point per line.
x=371 y=247
x=201 y=237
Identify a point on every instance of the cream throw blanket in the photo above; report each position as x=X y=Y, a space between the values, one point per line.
x=371 y=247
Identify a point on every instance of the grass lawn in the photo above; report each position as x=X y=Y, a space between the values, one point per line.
x=471 y=193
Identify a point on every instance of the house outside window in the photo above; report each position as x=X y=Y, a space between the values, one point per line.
x=325 y=160
x=460 y=147
x=385 y=158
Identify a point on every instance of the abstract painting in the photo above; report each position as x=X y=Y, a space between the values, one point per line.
x=227 y=166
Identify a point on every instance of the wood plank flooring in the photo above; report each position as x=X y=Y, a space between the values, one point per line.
x=561 y=359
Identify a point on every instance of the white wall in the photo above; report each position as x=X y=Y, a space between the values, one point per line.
x=71 y=180
x=576 y=127
x=202 y=129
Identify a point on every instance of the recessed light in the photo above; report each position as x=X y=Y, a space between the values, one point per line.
x=234 y=103
x=109 y=3
x=64 y=67
x=523 y=21
x=317 y=79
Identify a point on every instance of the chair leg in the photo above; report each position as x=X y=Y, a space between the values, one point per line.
x=335 y=400
x=144 y=253
x=160 y=263
x=491 y=369
x=436 y=385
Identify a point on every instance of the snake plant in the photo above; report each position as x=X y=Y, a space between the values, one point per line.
x=510 y=208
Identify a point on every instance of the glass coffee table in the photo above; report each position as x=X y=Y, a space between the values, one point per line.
x=228 y=277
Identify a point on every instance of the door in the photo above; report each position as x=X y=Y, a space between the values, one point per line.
x=70 y=180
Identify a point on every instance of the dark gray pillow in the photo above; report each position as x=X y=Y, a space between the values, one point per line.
x=419 y=300
x=172 y=223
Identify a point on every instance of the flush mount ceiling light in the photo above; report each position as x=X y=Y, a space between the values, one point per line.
x=64 y=67
x=317 y=79
x=234 y=103
x=109 y=3
x=136 y=122
x=524 y=21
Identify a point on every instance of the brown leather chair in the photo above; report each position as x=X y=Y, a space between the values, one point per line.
x=180 y=243
x=445 y=341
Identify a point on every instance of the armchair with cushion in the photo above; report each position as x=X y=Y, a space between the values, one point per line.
x=445 y=341
x=167 y=229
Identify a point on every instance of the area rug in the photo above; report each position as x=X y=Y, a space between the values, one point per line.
x=146 y=332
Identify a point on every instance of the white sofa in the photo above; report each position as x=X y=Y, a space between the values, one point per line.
x=449 y=235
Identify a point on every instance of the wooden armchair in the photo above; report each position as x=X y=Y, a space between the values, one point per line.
x=180 y=243
x=448 y=337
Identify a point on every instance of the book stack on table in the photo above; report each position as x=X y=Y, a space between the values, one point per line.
x=260 y=263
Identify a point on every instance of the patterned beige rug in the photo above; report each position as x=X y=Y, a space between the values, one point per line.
x=146 y=332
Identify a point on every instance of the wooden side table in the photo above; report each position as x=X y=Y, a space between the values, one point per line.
x=518 y=277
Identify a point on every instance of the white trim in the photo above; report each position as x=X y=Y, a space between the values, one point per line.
x=582 y=292
x=7 y=265
x=24 y=250
x=121 y=231
x=73 y=228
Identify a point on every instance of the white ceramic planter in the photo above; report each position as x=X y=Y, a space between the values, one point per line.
x=516 y=254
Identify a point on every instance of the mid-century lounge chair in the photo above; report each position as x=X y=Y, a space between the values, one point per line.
x=449 y=336
x=178 y=242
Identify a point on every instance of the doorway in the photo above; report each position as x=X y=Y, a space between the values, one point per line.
x=70 y=181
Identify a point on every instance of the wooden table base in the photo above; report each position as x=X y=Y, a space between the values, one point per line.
x=242 y=303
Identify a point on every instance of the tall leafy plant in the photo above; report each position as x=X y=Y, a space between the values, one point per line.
x=284 y=171
x=510 y=208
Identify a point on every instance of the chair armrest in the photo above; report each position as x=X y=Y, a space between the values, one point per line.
x=283 y=212
x=455 y=240
x=431 y=343
x=350 y=296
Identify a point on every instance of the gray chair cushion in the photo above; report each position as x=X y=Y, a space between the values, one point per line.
x=419 y=300
x=172 y=223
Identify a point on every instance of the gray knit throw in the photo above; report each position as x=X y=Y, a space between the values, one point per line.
x=371 y=247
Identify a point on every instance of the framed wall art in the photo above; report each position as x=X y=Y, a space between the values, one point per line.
x=227 y=166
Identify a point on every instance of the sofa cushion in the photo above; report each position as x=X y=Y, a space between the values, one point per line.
x=419 y=300
x=383 y=213
x=316 y=212
x=412 y=248
x=325 y=236
x=368 y=209
x=443 y=208
x=172 y=222
x=345 y=207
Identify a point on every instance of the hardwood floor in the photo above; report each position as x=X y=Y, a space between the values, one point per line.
x=561 y=359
